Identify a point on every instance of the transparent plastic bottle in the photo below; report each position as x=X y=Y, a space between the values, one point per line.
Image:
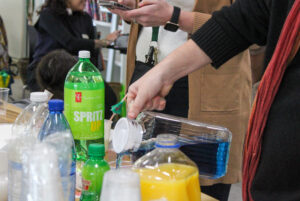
x=84 y=105
x=168 y=174
x=16 y=148
x=56 y=131
x=93 y=172
x=25 y=120
x=207 y=145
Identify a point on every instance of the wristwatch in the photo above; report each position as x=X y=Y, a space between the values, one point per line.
x=173 y=25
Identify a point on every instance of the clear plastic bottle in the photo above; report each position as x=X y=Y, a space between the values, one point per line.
x=207 y=145
x=168 y=174
x=25 y=119
x=16 y=148
x=56 y=131
x=84 y=105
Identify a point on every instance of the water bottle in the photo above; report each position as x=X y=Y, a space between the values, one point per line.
x=207 y=145
x=25 y=121
x=84 y=105
x=16 y=148
x=56 y=131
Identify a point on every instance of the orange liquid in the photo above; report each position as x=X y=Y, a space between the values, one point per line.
x=170 y=182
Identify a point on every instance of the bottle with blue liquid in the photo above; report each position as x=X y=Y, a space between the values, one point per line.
x=207 y=145
x=56 y=131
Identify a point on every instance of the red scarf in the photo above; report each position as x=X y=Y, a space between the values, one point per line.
x=286 y=49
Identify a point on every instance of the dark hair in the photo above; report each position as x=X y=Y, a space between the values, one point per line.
x=58 y=6
x=52 y=71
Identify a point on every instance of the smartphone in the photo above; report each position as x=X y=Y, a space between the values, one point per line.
x=113 y=5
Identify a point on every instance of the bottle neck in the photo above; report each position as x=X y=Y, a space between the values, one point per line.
x=55 y=112
x=91 y=157
x=85 y=60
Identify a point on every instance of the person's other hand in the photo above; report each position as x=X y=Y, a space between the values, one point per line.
x=147 y=93
x=113 y=36
x=151 y=13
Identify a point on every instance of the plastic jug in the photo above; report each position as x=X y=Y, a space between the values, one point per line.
x=168 y=174
x=207 y=145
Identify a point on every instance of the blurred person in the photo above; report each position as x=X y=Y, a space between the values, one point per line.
x=271 y=152
x=63 y=24
x=203 y=95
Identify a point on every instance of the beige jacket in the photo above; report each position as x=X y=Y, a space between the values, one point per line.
x=220 y=97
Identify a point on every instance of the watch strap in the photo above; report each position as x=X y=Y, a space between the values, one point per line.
x=175 y=15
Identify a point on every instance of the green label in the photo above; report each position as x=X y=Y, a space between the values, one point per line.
x=84 y=110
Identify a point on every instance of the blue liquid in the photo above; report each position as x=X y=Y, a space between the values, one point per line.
x=210 y=157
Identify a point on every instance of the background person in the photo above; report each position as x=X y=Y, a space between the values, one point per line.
x=63 y=24
x=220 y=97
x=271 y=163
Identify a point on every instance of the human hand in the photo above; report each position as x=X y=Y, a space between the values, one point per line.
x=150 y=13
x=121 y=13
x=147 y=93
x=113 y=36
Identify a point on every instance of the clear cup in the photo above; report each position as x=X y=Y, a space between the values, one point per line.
x=121 y=185
x=3 y=102
x=3 y=176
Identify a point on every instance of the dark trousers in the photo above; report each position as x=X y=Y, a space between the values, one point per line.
x=218 y=191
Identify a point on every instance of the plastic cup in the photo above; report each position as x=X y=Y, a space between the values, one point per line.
x=121 y=185
x=3 y=101
x=3 y=176
x=42 y=175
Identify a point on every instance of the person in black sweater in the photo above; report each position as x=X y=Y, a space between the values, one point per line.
x=64 y=25
x=230 y=31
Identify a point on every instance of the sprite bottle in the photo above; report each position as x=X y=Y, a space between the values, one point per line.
x=93 y=172
x=84 y=105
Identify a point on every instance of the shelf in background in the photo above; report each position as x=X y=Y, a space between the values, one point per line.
x=101 y=23
x=104 y=24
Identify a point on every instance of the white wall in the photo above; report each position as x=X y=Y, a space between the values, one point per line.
x=14 y=15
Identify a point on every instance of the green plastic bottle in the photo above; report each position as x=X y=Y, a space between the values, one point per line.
x=93 y=172
x=84 y=105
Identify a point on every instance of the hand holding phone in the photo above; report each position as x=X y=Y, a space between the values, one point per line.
x=113 y=5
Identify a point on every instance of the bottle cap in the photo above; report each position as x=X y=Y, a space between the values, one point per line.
x=128 y=135
x=84 y=54
x=167 y=141
x=96 y=150
x=38 y=97
x=56 y=105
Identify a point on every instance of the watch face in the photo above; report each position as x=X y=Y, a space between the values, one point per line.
x=171 y=27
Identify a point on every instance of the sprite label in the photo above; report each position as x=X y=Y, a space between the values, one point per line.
x=84 y=110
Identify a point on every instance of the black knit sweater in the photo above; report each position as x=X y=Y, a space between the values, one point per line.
x=232 y=30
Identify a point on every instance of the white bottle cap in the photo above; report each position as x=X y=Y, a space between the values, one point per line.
x=38 y=97
x=84 y=54
x=128 y=135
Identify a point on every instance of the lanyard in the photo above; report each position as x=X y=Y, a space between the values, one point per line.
x=151 y=57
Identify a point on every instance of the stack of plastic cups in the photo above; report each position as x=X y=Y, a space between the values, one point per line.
x=121 y=185
x=43 y=181
x=3 y=176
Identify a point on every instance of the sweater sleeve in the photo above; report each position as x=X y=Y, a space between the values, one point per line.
x=233 y=29
x=55 y=28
